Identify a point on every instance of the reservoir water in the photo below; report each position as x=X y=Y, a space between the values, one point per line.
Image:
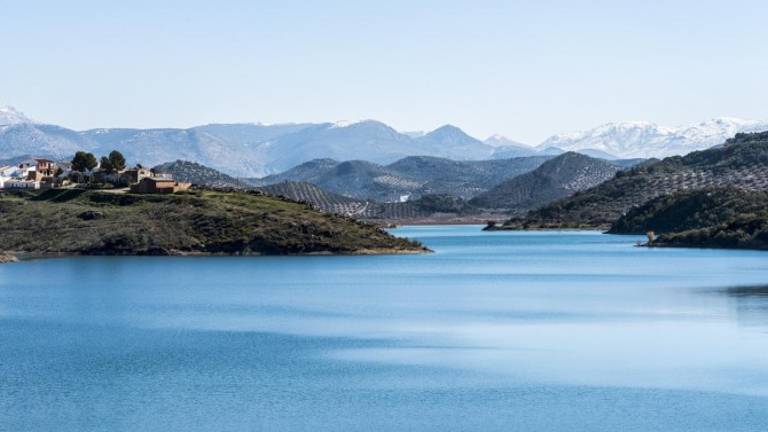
x=507 y=331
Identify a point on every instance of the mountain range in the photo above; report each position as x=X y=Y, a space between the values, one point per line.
x=360 y=189
x=256 y=150
x=645 y=139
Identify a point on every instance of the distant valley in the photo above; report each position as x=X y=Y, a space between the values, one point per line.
x=418 y=188
x=410 y=177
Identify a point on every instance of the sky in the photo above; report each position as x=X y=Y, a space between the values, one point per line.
x=523 y=69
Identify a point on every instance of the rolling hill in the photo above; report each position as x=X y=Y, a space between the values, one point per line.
x=411 y=177
x=719 y=217
x=317 y=198
x=554 y=179
x=427 y=206
x=200 y=175
x=82 y=222
x=742 y=163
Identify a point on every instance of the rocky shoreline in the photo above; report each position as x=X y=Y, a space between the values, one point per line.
x=7 y=258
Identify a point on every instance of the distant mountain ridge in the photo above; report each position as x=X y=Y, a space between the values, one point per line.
x=10 y=115
x=241 y=150
x=257 y=150
x=410 y=177
x=563 y=175
x=644 y=139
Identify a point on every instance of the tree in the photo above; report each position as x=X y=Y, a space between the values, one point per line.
x=117 y=161
x=106 y=164
x=84 y=161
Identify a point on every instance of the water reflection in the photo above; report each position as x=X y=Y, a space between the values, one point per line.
x=542 y=331
x=750 y=304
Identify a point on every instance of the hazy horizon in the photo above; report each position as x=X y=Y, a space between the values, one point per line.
x=349 y=122
x=516 y=69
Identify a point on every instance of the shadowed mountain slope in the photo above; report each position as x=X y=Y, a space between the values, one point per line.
x=717 y=218
x=557 y=178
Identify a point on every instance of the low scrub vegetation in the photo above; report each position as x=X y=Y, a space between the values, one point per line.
x=198 y=222
x=725 y=218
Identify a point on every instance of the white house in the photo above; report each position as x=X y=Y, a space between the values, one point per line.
x=11 y=183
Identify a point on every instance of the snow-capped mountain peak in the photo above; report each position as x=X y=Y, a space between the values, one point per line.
x=343 y=123
x=645 y=139
x=348 y=123
x=10 y=115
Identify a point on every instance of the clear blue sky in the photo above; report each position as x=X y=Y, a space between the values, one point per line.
x=521 y=68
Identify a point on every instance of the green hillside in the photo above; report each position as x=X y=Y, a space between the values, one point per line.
x=742 y=163
x=557 y=178
x=199 y=175
x=725 y=218
x=198 y=222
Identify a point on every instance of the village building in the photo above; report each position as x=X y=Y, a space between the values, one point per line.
x=17 y=177
x=23 y=170
x=45 y=167
x=159 y=185
x=44 y=171
x=134 y=175
x=102 y=176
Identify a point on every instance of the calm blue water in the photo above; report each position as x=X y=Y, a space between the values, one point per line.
x=568 y=331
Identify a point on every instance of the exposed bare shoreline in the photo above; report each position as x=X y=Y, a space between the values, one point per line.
x=17 y=256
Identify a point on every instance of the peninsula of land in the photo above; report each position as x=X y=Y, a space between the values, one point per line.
x=62 y=222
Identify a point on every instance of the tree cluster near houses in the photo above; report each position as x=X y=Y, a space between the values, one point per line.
x=86 y=171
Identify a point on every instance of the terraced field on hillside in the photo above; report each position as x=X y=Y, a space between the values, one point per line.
x=334 y=203
x=556 y=178
x=749 y=177
x=322 y=200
